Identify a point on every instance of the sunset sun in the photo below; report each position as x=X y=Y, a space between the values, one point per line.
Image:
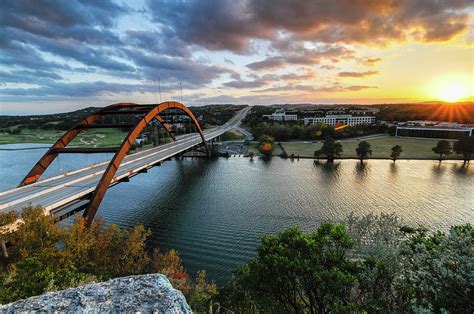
x=452 y=92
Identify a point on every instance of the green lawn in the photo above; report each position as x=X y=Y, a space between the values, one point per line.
x=381 y=148
x=233 y=135
x=88 y=138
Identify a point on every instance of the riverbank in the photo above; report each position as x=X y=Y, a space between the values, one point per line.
x=413 y=148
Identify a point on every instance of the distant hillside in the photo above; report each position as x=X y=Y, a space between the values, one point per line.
x=211 y=114
x=437 y=111
x=461 y=112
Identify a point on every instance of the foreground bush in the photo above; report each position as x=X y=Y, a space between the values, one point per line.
x=367 y=264
x=45 y=256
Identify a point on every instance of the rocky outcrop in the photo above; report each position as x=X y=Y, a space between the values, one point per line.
x=144 y=293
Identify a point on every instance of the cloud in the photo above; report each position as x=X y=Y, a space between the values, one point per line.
x=215 y=25
x=369 y=61
x=357 y=74
x=287 y=88
x=83 y=89
x=293 y=77
x=312 y=89
x=191 y=72
x=258 y=82
x=25 y=76
x=348 y=21
x=231 y=25
x=302 y=57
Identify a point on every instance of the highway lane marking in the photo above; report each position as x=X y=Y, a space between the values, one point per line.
x=158 y=150
x=134 y=160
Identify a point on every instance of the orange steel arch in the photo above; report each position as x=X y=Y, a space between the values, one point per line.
x=151 y=112
x=114 y=164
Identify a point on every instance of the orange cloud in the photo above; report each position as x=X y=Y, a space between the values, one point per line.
x=357 y=74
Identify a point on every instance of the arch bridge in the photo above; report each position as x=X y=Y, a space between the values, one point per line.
x=84 y=189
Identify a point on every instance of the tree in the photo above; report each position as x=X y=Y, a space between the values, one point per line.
x=330 y=149
x=396 y=152
x=443 y=147
x=298 y=272
x=439 y=270
x=265 y=145
x=363 y=150
x=465 y=147
x=171 y=266
x=202 y=294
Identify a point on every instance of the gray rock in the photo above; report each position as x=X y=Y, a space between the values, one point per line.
x=151 y=293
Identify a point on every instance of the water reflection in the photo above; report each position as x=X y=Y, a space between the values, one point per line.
x=438 y=169
x=330 y=170
x=462 y=169
x=362 y=170
x=394 y=169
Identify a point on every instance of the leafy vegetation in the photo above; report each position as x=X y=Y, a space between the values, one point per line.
x=232 y=134
x=368 y=264
x=365 y=264
x=465 y=147
x=396 y=152
x=363 y=150
x=443 y=147
x=265 y=145
x=330 y=149
x=45 y=256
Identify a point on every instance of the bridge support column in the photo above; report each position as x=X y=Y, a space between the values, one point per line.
x=3 y=249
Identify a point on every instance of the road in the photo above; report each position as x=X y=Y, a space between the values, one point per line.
x=54 y=194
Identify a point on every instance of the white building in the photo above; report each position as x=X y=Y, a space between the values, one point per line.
x=345 y=119
x=281 y=116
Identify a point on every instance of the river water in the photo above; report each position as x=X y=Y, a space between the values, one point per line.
x=214 y=212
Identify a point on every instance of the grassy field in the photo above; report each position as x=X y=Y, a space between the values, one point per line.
x=381 y=148
x=233 y=135
x=88 y=138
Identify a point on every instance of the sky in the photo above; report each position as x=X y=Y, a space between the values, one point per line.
x=63 y=55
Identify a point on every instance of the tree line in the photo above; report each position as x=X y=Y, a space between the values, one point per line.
x=298 y=131
x=331 y=149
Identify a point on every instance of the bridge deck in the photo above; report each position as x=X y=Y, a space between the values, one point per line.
x=53 y=193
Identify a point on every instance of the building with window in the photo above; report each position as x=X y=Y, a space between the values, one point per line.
x=281 y=116
x=345 y=119
x=434 y=129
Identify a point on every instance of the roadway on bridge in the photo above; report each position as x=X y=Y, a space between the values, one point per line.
x=53 y=193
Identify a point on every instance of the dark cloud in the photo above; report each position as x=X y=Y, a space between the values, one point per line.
x=159 y=42
x=357 y=74
x=25 y=76
x=193 y=73
x=42 y=41
x=83 y=89
x=75 y=29
x=363 y=21
x=231 y=25
x=302 y=57
x=215 y=25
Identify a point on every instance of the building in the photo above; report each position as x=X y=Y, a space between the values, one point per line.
x=281 y=116
x=345 y=119
x=434 y=129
